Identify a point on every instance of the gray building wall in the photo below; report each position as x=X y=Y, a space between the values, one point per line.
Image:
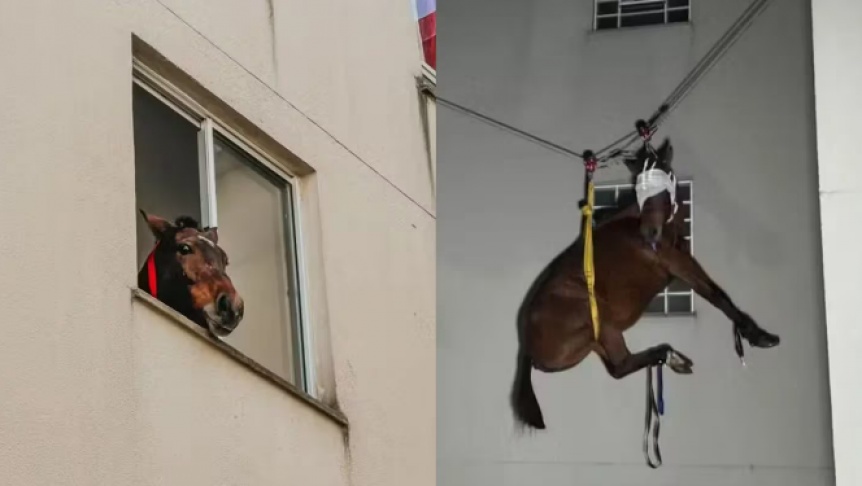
x=745 y=137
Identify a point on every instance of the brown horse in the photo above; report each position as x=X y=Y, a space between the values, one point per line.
x=637 y=252
x=186 y=271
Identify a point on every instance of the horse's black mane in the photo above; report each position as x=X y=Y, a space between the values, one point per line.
x=187 y=222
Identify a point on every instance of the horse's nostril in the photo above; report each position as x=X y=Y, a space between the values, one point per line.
x=223 y=304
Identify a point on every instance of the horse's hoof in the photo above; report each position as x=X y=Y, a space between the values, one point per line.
x=756 y=335
x=765 y=340
x=679 y=362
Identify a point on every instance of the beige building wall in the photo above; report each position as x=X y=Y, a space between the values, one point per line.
x=101 y=387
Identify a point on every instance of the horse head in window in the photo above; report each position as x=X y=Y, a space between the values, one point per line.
x=187 y=271
x=655 y=189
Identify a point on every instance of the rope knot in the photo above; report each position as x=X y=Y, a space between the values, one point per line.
x=590 y=162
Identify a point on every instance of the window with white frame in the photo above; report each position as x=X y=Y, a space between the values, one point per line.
x=188 y=163
x=616 y=14
x=678 y=297
x=425 y=15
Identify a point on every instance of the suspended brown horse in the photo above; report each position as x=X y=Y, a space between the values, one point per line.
x=638 y=251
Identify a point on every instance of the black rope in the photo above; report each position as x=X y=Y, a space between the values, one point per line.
x=629 y=138
x=696 y=74
x=529 y=136
x=618 y=147
x=709 y=60
x=718 y=49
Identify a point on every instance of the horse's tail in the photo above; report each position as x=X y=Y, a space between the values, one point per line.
x=523 y=398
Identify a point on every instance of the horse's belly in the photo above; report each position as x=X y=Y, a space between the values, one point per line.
x=624 y=304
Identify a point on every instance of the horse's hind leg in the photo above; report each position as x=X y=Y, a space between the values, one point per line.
x=561 y=350
x=620 y=362
x=686 y=268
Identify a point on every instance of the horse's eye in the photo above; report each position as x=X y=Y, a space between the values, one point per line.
x=185 y=249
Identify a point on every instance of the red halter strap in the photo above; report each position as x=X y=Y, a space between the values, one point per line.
x=151 y=272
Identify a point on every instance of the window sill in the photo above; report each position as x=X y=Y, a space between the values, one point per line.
x=429 y=73
x=426 y=88
x=686 y=319
x=233 y=353
x=683 y=26
x=427 y=81
x=674 y=315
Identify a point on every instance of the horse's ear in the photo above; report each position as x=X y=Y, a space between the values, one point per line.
x=211 y=234
x=666 y=152
x=157 y=225
x=635 y=162
x=632 y=164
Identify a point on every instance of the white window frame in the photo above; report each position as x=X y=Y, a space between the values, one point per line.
x=666 y=292
x=211 y=125
x=429 y=76
x=619 y=15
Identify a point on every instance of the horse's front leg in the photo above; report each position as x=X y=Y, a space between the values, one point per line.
x=684 y=267
x=620 y=362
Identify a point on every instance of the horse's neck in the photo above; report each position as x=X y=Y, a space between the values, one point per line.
x=174 y=295
x=143 y=279
x=629 y=211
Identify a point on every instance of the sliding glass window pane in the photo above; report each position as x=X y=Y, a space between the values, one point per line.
x=683 y=192
x=606 y=23
x=251 y=220
x=606 y=8
x=627 y=196
x=677 y=16
x=679 y=304
x=605 y=197
x=638 y=20
x=656 y=305
x=645 y=7
x=166 y=164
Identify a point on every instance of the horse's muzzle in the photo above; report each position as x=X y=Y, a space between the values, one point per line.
x=651 y=236
x=225 y=315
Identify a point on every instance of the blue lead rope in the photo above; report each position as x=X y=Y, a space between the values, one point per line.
x=654 y=410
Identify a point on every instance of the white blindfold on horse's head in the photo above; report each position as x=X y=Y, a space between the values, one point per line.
x=652 y=182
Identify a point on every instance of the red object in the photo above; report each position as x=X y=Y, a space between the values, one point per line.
x=428 y=31
x=590 y=162
x=151 y=272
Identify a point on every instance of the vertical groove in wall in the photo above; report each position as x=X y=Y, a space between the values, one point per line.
x=270 y=7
